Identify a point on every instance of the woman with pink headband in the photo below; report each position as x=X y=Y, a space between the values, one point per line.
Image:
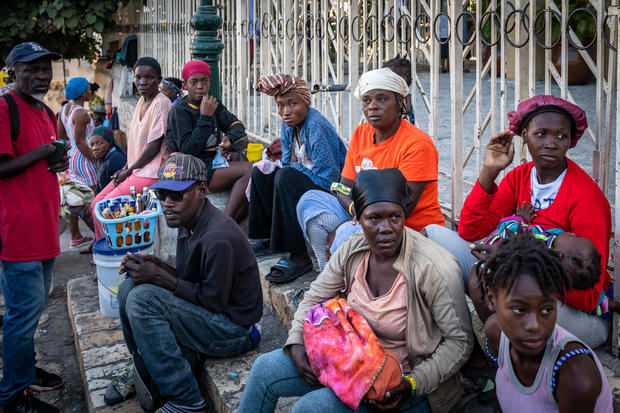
x=563 y=196
x=200 y=125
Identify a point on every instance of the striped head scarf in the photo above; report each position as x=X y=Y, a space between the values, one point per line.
x=280 y=84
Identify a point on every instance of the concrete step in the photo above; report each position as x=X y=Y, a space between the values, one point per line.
x=224 y=379
x=99 y=344
x=279 y=297
x=103 y=356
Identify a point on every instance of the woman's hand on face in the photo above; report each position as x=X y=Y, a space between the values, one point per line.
x=499 y=152
x=300 y=358
x=394 y=398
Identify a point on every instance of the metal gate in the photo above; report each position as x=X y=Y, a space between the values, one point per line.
x=509 y=48
x=331 y=42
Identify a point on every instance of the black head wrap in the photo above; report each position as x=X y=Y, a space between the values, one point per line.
x=148 y=61
x=379 y=185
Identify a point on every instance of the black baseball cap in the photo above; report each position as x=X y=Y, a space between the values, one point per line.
x=27 y=52
x=179 y=172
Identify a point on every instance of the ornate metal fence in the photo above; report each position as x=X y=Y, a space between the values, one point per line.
x=332 y=42
x=500 y=53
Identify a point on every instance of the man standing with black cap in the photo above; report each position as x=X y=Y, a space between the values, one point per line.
x=211 y=303
x=29 y=207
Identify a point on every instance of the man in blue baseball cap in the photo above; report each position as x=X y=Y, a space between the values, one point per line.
x=29 y=207
x=211 y=303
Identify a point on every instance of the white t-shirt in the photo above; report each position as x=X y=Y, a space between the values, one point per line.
x=302 y=157
x=543 y=195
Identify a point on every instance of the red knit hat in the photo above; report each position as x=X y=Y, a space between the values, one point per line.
x=547 y=103
x=195 y=66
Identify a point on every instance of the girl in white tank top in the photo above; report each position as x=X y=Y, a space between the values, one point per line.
x=542 y=367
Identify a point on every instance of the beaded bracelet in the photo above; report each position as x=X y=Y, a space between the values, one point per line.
x=414 y=385
x=489 y=352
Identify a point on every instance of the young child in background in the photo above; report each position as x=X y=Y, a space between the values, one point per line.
x=542 y=367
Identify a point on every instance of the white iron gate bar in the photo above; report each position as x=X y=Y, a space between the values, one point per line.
x=331 y=42
x=334 y=41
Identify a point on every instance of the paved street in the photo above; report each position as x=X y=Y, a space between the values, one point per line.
x=54 y=339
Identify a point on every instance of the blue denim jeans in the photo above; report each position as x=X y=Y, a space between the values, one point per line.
x=160 y=326
x=25 y=285
x=274 y=375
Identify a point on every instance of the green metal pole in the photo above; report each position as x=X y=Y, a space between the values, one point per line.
x=205 y=44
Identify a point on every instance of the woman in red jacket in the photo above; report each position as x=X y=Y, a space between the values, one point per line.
x=562 y=194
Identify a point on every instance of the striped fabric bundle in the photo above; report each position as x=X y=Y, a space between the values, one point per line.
x=280 y=84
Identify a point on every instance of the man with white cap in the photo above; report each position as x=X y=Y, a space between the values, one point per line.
x=385 y=141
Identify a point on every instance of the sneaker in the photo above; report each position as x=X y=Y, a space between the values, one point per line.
x=120 y=389
x=44 y=381
x=26 y=403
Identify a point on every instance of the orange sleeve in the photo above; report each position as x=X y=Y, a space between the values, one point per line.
x=420 y=161
x=348 y=171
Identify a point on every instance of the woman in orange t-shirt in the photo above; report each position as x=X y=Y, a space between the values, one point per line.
x=385 y=141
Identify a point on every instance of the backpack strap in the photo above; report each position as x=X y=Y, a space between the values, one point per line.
x=13 y=115
x=50 y=113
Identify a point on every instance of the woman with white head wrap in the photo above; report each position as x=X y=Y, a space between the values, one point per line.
x=384 y=79
x=385 y=141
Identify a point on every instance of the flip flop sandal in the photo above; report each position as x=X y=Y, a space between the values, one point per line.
x=120 y=390
x=259 y=249
x=75 y=243
x=290 y=271
x=87 y=249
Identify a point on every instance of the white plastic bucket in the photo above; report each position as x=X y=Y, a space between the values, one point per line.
x=108 y=263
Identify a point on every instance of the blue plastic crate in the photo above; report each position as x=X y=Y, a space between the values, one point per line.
x=134 y=231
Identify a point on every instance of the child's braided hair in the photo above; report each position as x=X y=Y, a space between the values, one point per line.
x=520 y=254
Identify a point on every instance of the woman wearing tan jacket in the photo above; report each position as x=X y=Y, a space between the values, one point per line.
x=409 y=290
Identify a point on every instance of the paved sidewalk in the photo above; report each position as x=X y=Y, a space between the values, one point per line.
x=54 y=338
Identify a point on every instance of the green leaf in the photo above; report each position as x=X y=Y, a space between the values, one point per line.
x=67 y=12
x=90 y=19
x=51 y=13
x=99 y=27
x=59 y=22
x=72 y=22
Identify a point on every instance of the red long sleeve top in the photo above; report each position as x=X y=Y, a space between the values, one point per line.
x=579 y=207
